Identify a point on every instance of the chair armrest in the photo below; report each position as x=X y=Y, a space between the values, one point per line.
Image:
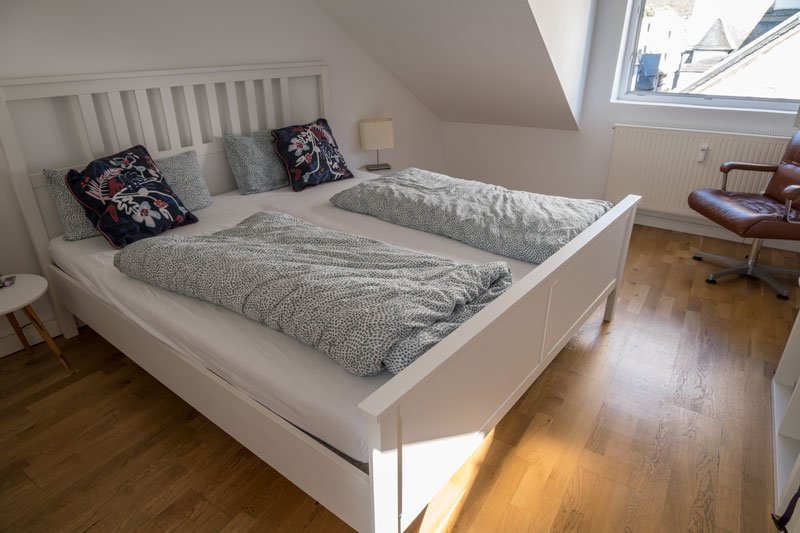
x=790 y=194
x=755 y=167
x=728 y=166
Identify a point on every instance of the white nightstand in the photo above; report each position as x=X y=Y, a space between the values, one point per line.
x=27 y=289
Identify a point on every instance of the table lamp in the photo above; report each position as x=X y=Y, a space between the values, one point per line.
x=377 y=134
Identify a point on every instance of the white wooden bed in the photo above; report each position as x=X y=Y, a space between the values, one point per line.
x=427 y=420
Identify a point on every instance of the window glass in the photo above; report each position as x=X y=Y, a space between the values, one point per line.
x=728 y=48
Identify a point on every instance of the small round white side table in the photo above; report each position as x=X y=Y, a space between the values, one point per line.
x=27 y=289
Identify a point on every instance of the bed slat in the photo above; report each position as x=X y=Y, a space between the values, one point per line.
x=77 y=116
x=91 y=124
x=286 y=104
x=194 y=119
x=324 y=95
x=123 y=137
x=252 y=109
x=233 y=107
x=170 y=118
x=269 y=103
x=213 y=110
x=146 y=119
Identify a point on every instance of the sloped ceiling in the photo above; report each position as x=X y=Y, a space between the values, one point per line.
x=467 y=60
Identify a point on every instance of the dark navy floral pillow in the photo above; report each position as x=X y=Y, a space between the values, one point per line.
x=310 y=154
x=126 y=198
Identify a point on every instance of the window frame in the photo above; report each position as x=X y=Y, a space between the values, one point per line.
x=627 y=63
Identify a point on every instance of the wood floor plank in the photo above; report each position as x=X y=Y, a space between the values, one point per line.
x=649 y=489
x=190 y=513
x=78 y=504
x=240 y=522
x=658 y=421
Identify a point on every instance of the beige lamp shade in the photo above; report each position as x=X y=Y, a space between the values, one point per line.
x=377 y=133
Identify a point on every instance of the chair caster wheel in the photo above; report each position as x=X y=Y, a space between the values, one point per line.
x=711 y=281
x=782 y=296
x=697 y=258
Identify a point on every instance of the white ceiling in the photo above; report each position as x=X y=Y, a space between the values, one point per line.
x=469 y=60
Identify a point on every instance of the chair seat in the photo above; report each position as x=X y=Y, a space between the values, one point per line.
x=746 y=214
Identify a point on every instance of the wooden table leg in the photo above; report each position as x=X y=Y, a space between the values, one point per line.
x=34 y=318
x=18 y=330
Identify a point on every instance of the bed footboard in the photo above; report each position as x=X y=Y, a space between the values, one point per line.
x=432 y=416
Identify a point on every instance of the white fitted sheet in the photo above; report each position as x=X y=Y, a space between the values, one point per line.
x=292 y=379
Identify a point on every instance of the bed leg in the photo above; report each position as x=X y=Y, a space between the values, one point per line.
x=611 y=306
x=611 y=300
x=384 y=473
x=66 y=321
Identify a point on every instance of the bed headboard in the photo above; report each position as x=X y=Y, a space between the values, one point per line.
x=65 y=122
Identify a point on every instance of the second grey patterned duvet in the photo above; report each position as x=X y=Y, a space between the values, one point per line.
x=367 y=304
x=522 y=225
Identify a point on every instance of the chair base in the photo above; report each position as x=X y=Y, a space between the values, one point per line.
x=749 y=267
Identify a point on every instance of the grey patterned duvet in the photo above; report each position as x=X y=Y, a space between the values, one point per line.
x=367 y=304
x=521 y=225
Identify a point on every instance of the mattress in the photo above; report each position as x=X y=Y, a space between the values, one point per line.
x=292 y=379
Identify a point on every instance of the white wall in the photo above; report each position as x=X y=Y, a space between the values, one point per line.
x=566 y=27
x=468 y=60
x=54 y=37
x=576 y=163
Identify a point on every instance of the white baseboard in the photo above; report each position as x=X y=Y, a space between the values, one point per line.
x=10 y=343
x=701 y=226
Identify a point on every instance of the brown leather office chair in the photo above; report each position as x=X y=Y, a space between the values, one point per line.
x=771 y=215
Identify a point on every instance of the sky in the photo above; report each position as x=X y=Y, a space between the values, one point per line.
x=739 y=16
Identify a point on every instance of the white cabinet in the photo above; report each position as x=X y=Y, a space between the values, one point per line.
x=786 y=420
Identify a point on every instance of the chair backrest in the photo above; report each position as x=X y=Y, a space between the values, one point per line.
x=788 y=172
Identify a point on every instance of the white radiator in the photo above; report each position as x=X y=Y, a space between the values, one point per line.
x=661 y=164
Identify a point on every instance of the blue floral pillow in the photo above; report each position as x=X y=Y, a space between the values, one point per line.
x=310 y=154
x=126 y=198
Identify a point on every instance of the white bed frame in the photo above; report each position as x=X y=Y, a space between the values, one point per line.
x=428 y=419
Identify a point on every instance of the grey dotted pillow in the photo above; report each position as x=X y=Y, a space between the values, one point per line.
x=73 y=217
x=254 y=163
x=182 y=173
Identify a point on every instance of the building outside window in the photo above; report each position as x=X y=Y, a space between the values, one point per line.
x=741 y=53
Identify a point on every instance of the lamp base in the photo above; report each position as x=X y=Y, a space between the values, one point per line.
x=378 y=166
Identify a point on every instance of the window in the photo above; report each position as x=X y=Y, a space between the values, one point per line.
x=739 y=53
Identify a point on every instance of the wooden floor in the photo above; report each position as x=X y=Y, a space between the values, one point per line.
x=659 y=421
